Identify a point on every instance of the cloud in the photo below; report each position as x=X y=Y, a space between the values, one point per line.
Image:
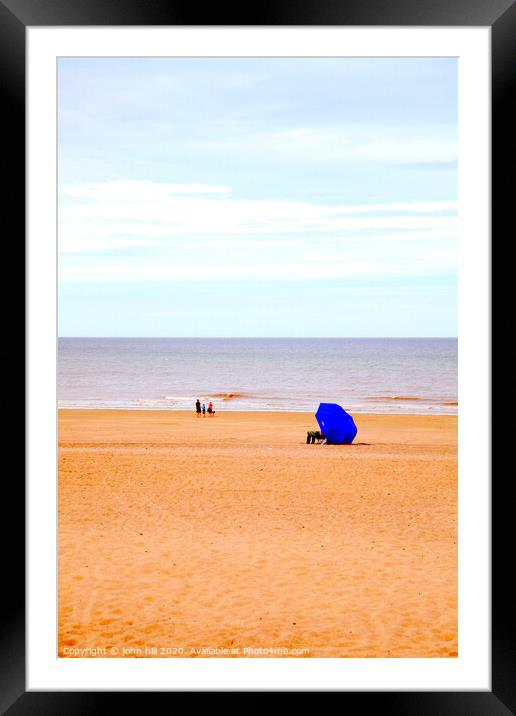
x=123 y=231
x=120 y=215
x=120 y=190
x=367 y=144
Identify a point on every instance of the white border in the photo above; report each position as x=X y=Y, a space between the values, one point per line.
x=471 y=670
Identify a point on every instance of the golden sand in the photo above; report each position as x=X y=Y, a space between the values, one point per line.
x=185 y=536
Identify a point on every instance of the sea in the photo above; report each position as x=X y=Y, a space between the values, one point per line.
x=363 y=375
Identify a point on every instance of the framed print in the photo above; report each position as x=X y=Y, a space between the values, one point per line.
x=258 y=322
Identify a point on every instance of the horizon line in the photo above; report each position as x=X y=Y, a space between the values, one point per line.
x=274 y=337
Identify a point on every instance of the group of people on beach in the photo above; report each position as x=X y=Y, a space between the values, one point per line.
x=202 y=410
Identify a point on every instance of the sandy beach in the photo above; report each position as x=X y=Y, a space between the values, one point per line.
x=230 y=536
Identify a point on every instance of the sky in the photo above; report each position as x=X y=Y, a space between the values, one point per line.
x=257 y=197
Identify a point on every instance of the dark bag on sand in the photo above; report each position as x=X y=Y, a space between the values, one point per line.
x=313 y=435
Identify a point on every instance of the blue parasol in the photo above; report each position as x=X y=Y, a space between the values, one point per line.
x=337 y=426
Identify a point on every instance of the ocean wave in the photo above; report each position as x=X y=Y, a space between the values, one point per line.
x=230 y=396
x=393 y=408
x=396 y=397
x=185 y=398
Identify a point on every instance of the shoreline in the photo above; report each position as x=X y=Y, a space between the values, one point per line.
x=225 y=410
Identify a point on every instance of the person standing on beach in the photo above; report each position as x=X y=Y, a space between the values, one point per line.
x=204 y=410
x=198 y=407
x=210 y=408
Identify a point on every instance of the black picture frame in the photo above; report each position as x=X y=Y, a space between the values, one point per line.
x=15 y=17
